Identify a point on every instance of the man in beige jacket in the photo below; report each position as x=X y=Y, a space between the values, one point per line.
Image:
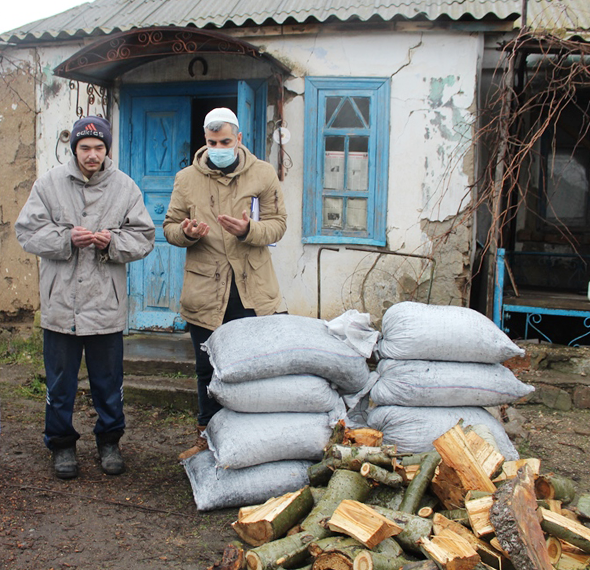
x=226 y=209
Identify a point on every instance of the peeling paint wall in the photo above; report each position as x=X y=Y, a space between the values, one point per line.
x=19 y=295
x=433 y=97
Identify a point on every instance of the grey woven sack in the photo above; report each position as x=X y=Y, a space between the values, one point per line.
x=263 y=347
x=240 y=440
x=289 y=393
x=215 y=488
x=415 y=331
x=413 y=429
x=438 y=383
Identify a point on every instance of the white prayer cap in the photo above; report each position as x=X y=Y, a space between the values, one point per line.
x=221 y=114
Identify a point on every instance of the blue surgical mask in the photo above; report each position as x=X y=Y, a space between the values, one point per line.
x=222 y=157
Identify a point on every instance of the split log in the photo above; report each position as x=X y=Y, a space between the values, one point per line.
x=373 y=561
x=387 y=497
x=408 y=465
x=573 y=561
x=565 y=529
x=554 y=549
x=387 y=555
x=362 y=523
x=550 y=504
x=455 y=452
x=495 y=543
x=274 y=518
x=478 y=511
x=457 y=515
x=487 y=554
x=363 y=436
x=232 y=559
x=490 y=459
x=289 y=551
x=583 y=505
x=408 y=472
x=420 y=482
x=381 y=475
x=425 y=512
x=336 y=553
x=429 y=501
x=345 y=457
x=476 y=495
x=330 y=543
x=447 y=486
x=317 y=493
x=450 y=551
x=320 y=473
x=510 y=468
x=413 y=527
x=514 y=517
x=568 y=513
x=551 y=486
x=343 y=485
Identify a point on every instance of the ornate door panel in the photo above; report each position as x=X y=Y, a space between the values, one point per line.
x=160 y=145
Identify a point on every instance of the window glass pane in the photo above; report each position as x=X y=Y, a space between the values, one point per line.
x=347 y=117
x=358 y=164
x=358 y=144
x=331 y=104
x=336 y=143
x=356 y=214
x=363 y=104
x=334 y=163
x=332 y=217
x=567 y=188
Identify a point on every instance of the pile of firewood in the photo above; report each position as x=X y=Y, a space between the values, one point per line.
x=458 y=507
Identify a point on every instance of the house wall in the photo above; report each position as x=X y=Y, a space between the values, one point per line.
x=19 y=281
x=433 y=101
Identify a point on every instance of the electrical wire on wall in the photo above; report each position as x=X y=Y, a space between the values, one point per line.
x=281 y=134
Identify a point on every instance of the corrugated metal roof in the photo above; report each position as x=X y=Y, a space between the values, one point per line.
x=105 y=16
x=565 y=18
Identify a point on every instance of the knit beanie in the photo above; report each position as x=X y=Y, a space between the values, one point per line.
x=91 y=126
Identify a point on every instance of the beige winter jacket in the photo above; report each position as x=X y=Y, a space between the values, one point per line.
x=202 y=193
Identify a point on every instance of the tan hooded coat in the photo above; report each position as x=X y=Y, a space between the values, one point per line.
x=202 y=193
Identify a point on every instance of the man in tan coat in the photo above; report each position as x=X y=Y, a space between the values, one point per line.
x=226 y=209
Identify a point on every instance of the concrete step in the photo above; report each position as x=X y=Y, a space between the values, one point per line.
x=160 y=370
x=153 y=354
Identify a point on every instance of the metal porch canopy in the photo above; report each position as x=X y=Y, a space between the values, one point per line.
x=110 y=57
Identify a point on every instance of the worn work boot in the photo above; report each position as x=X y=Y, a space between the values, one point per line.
x=65 y=462
x=110 y=458
x=200 y=445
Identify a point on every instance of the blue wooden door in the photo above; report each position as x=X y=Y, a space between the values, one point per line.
x=246 y=98
x=160 y=147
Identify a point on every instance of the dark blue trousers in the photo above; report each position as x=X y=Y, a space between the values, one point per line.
x=208 y=406
x=104 y=360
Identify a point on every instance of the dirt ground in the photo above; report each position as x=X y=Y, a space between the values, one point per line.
x=147 y=518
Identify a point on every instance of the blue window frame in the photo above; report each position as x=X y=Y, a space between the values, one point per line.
x=346 y=160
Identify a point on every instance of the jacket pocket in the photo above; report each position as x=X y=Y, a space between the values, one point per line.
x=201 y=285
x=263 y=284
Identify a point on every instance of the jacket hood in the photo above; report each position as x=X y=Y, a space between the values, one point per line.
x=74 y=171
x=247 y=159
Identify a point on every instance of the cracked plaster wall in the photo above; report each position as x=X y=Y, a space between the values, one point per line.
x=19 y=276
